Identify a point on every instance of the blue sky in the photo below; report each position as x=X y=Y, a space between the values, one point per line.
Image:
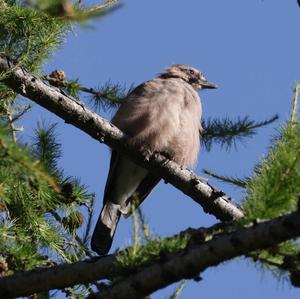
x=250 y=49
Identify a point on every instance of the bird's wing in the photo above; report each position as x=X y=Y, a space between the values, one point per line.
x=144 y=186
x=135 y=114
x=111 y=174
x=143 y=190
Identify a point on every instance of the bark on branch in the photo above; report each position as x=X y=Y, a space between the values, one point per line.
x=184 y=264
x=74 y=112
x=188 y=263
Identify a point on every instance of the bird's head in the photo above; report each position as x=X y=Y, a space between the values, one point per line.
x=189 y=74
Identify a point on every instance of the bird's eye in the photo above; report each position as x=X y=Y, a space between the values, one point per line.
x=192 y=72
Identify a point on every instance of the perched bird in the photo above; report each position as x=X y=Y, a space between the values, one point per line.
x=161 y=115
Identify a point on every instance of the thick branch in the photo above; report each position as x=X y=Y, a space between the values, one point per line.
x=58 y=277
x=185 y=264
x=74 y=112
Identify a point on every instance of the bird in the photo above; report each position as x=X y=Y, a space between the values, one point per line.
x=162 y=115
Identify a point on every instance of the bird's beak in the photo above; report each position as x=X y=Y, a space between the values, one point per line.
x=206 y=84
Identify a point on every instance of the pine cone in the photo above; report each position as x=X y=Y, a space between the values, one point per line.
x=58 y=74
x=67 y=193
x=2 y=207
x=3 y=266
x=3 y=4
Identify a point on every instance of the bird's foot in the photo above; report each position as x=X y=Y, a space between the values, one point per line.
x=147 y=153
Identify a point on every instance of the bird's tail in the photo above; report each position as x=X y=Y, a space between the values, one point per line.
x=105 y=228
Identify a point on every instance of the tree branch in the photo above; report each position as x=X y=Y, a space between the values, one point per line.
x=74 y=112
x=194 y=259
x=111 y=94
x=185 y=264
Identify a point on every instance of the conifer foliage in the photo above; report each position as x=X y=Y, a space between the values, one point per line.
x=40 y=207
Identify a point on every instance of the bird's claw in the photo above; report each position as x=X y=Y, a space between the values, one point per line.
x=147 y=153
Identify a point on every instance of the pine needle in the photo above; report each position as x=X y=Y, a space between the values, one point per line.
x=226 y=132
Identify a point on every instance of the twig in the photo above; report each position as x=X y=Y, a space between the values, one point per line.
x=135 y=228
x=100 y=7
x=89 y=222
x=12 y=126
x=178 y=290
x=234 y=181
x=64 y=83
x=18 y=116
x=294 y=112
x=145 y=227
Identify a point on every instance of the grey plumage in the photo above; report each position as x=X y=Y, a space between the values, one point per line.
x=161 y=115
